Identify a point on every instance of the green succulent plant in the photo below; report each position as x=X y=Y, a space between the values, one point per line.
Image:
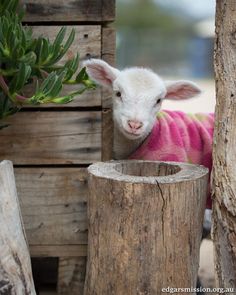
x=25 y=59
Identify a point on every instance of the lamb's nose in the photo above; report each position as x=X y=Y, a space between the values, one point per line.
x=133 y=124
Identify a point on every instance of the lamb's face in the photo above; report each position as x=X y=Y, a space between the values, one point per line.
x=137 y=97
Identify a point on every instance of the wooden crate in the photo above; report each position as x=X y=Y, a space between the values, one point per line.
x=52 y=145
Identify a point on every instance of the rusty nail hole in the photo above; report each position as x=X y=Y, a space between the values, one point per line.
x=85 y=36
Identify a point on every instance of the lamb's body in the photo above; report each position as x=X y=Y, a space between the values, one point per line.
x=142 y=131
x=179 y=137
x=175 y=136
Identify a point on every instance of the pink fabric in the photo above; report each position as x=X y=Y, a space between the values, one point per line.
x=179 y=137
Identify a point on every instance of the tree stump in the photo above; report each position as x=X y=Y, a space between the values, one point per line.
x=145 y=225
x=224 y=155
x=15 y=267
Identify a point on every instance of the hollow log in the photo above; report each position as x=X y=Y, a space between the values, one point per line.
x=15 y=266
x=145 y=225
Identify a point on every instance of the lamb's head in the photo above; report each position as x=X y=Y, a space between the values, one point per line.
x=137 y=95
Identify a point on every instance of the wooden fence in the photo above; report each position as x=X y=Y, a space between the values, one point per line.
x=52 y=145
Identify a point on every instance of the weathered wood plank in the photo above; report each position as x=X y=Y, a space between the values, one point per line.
x=88 y=44
x=108 y=44
x=108 y=10
x=51 y=186
x=71 y=275
x=69 y=10
x=58 y=250
x=52 y=138
x=107 y=134
x=87 y=40
x=108 y=54
x=53 y=204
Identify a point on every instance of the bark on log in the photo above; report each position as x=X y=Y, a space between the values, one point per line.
x=145 y=224
x=15 y=267
x=224 y=153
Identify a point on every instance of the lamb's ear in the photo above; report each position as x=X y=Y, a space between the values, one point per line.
x=101 y=72
x=178 y=90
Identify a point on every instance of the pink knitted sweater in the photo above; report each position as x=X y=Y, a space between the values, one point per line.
x=180 y=137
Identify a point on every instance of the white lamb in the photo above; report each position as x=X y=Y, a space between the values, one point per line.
x=141 y=130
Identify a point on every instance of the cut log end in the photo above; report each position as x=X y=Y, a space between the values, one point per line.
x=139 y=171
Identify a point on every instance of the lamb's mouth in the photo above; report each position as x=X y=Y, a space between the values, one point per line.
x=132 y=134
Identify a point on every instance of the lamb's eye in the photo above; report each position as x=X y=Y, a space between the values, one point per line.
x=158 y=101
x=118 y=94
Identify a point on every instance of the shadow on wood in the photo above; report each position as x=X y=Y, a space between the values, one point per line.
x=145 y=224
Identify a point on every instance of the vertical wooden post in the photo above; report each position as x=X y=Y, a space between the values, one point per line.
x=145 y=224
x=224 y=149
x=15 y=267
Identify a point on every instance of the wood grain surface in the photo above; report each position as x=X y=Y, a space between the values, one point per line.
x=54 y=205
x=52 y=138
x=224 y=155
x=69 y=10
x=145 y=225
